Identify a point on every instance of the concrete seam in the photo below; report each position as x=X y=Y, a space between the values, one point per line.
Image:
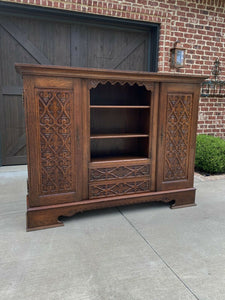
x=168 y=266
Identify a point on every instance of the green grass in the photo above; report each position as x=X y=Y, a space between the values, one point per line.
x=210 y=154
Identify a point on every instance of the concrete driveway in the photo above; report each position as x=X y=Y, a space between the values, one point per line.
x=141 y=252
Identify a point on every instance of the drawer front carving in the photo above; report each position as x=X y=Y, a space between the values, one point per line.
x=118 y=188
x=119 y=172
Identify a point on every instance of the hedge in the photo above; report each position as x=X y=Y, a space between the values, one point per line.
x=210 y=154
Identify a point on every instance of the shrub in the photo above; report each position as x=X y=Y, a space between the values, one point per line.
x=210 y=154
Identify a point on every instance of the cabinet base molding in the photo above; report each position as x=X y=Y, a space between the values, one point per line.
x=47 y=216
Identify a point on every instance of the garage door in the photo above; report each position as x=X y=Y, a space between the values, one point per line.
x=53 y=42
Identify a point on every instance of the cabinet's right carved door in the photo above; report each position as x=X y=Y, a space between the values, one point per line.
x=176 y=135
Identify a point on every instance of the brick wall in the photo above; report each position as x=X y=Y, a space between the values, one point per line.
x=199 y=25
x=211 y=118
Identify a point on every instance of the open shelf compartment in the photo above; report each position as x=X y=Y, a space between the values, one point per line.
x=120 y=95
x=119 y=121
x=120 y=147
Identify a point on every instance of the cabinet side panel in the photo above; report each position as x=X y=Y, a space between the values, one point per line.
x=177 y=132
x=32 y=140
x=85 y=150
x=153 y=134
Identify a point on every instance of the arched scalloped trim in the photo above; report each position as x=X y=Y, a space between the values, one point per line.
x=94 y=82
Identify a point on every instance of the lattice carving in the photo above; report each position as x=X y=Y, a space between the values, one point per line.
x=99 y=174
x=117 y=189
x=94 y=82
x=55 y=139
x=179 y=115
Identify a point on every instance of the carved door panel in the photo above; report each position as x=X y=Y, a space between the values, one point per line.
x=176 y=141
x=55 y=144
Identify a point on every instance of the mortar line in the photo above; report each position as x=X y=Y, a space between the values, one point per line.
x=160 y=257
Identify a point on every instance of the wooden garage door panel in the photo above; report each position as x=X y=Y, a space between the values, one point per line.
x=79 y=46
x=12 y=128
x=10 y=52
x=98 y=47
x=52 y=39
x=12 y=125
x=27 y=41
x=137 y=59
x=13 y=148
x=13 y=112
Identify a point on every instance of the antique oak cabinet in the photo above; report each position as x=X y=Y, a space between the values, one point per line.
x=102 y=138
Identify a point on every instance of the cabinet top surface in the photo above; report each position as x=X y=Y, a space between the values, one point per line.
x=91 y=73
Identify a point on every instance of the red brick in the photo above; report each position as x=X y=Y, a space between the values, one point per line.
x=180 y=24
x=206 y=48
x=197 y=37
x=182 y=14
x=143 y=2
x=163 y=5
x=184 y=8
x=194 y=10
x=202 y=32
x=203 y=22
x=191 y=15
x=152 y=3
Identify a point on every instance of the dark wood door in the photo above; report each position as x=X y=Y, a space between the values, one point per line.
x=176 y=141
x=54 y=135
x=105 y=48
x=30 y=40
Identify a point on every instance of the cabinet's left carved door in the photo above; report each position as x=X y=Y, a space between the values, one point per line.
x=54 y=140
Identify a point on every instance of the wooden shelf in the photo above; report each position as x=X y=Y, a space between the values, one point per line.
x=120 y=106
x=118 y=158
x=118 y=136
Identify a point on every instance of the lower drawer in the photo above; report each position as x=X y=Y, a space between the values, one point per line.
x=118 y=188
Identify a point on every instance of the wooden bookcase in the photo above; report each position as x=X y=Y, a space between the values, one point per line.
x=102 y=138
